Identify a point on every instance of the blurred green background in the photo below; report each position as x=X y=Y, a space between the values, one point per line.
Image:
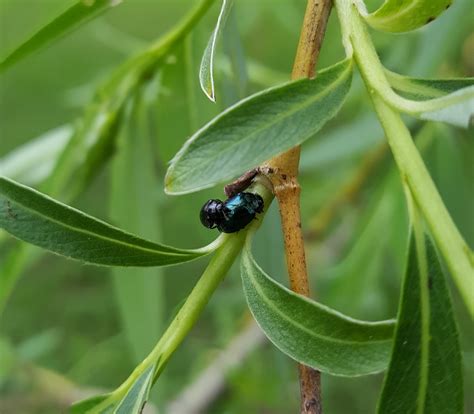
x=69 y=328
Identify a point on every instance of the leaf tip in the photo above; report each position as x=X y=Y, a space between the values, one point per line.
x=168 y=188
x=209 y=92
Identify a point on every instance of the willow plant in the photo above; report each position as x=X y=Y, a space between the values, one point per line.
x=419 y=349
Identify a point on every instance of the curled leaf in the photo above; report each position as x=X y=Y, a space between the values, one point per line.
x=311 y=333
x=37 y=219
x=398 y=16
x=442 y=100
x=206 y=70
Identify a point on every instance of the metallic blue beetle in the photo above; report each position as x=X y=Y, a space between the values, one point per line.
x=232 y=214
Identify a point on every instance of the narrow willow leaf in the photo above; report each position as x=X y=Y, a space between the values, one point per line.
x=443 y=100
x=257 y=128
x=436 y=43
x=87 y=405
x=89 y=148
x=133 y=206
x=398 y=16
x=32 y=162
x=451 y=161
x=138 y=394
x=423 y=88
x=206 y=71
x=132 y=402
x=258 y=73
x=234 y=50
x=457 y=109
x=168 y=108
x=415 y=383
x=17 y=257
x=71 y=19
x=356 y=285
x=311 y=333
x=445 y=376
x=37 y=219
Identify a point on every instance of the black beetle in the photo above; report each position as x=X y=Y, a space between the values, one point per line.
x=232 y=214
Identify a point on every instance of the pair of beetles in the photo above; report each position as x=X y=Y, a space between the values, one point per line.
x=233 y=214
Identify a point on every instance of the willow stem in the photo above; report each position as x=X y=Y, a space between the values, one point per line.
x=283 y=173
x=184 y=319
x=459 y=257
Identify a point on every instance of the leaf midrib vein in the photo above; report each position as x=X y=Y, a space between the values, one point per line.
x=309 y=332
x=33 y=212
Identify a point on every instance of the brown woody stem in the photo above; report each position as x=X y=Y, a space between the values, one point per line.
x=283 y=173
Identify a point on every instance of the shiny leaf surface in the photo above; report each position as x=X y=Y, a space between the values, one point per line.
x=257 y=128
x=312 y=333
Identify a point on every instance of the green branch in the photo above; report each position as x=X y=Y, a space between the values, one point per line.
x=185 y=318
x=412 y=169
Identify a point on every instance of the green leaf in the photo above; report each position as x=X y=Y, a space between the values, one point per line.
x=91 y=144
x=258 y=73
x=234 y=50
x=206 y=71
x=450 y=161
x=312 y=333
x=37 y=219
x=436 y=43
x=443 y=100
x=137 y=396
x=257 y=128
x=86 y=406
x=71 y=19
x=425 y=374
x=355 y=285
x=191 y=110
x=32 y=162
x=445 y=376
x=13 y=263
x=423 y=88
x=8 y=360
x=398 y=16
x=133 y=206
